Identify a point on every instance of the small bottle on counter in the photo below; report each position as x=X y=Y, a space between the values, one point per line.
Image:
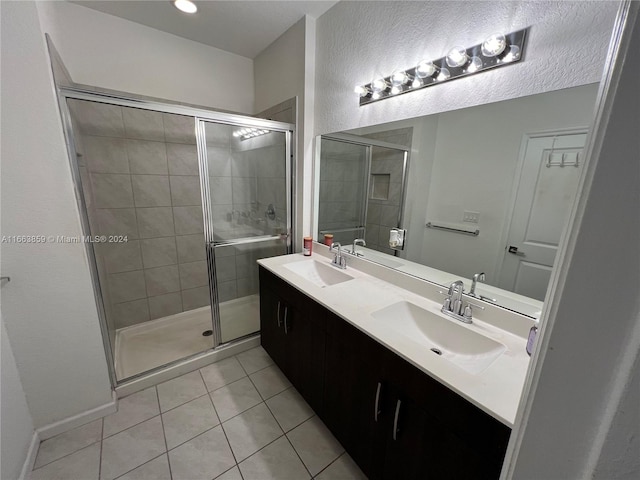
x=328 y=239
x=308 y=246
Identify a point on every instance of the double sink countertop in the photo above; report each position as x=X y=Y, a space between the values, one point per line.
x=485 y=362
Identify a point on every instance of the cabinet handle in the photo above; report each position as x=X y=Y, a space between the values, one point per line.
x=377 y=410
x=395 y=421
x=278 y=316
x=286 y=329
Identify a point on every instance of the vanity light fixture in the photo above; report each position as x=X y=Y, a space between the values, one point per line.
x=186 y=6
x=249 y=132
x=495 y=51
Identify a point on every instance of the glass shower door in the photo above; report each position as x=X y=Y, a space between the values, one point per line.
x=246 y=172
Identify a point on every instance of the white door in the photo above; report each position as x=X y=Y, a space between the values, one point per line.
x=546 y=190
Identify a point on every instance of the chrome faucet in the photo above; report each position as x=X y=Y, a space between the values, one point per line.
x=474 y=282
x=338 y=260
x=357 y=241
x=453 y=304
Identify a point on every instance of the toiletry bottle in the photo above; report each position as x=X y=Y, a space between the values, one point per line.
x=308 y=245
x=328 y=239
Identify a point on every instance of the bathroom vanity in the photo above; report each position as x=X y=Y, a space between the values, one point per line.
x=408 y=392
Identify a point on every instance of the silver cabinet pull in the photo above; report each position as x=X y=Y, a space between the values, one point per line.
x=377 y=409
x=279 y=322
x=395 y=421
x=286 y=310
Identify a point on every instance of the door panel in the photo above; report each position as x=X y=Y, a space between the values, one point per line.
x=546 y=191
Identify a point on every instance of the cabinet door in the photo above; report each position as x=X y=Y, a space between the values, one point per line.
x=353 y=383
x=272 y=335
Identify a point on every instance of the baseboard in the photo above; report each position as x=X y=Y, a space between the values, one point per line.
x=70 y=423
x=30 y=461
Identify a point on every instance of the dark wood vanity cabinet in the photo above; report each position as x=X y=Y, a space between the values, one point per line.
x=395 y=421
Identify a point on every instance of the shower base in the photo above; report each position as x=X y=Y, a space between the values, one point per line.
x=155 y=343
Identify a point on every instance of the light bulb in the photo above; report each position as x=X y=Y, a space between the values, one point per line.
x=457 y=56
x=376 y=96
x=514 y=54
x=443 y=75
x=362 y=90
x=399 y=77
x=417 y=82
x=378 y=85
x=185 y=6
x=494 y=45
x=396 y=89
x=474 y=65
x=425 y=69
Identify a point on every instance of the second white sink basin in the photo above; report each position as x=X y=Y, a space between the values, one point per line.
x=461 y=346
x=320 y=274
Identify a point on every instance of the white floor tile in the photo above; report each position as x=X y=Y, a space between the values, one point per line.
x=235 y=398
x=222 y=373
x=131 y=448
x=180 y=390
x=84 y=464
x=254 y=360
x=204 y=457
x=189 y=420
x=289 y=408
x=270 y=381
x=251 y=430
x=315 y=445
x=276 y=461
x=156 y=469
x=344 y=468
x=134 y=409
x=68 y=442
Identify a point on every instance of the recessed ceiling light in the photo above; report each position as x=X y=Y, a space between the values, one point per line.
x=185 y=6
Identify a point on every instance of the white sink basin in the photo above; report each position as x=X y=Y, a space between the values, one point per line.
x=459 y=345
x=320 y=274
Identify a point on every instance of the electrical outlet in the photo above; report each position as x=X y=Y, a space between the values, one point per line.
x=471 y=217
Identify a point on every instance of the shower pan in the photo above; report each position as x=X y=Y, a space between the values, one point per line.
x=179 y=203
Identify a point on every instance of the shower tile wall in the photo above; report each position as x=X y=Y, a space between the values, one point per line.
x=384 y=206
x=341 y=189
x=139 y=172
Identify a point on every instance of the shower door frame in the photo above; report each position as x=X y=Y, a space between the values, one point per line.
x=65 y=93
x=211 y=244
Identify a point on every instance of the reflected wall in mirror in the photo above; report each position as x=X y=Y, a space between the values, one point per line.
x=509 y=170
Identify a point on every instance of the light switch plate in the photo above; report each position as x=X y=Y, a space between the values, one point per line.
x=471 y=217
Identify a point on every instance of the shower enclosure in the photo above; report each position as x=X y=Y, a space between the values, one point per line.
x=177 y=205
x=360 y=184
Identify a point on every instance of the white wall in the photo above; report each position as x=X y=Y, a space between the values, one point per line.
x=585 y=374
x=48 y=307
x=283 y=70
x=358 y=40
x=477 y=153
x=110 y=52
x=17 y=425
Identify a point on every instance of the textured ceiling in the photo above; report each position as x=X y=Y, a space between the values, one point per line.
x=241 y=27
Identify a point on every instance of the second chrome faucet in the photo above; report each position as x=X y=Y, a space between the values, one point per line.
x=338 y=260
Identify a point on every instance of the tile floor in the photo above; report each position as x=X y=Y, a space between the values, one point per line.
x=237 y=419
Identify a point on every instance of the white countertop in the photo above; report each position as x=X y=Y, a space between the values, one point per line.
x=496 y=390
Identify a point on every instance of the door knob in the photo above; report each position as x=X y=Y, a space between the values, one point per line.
x=514 y=250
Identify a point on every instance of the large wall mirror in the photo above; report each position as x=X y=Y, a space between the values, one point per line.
x=484 y=193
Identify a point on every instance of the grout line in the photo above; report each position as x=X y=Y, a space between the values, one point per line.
x=142 y=464
x=164 y=435
x=331 y=463
x=65 y=456
x=100 y=459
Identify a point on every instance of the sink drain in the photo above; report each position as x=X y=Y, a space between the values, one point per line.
x=436 y=351
x=207 y=333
